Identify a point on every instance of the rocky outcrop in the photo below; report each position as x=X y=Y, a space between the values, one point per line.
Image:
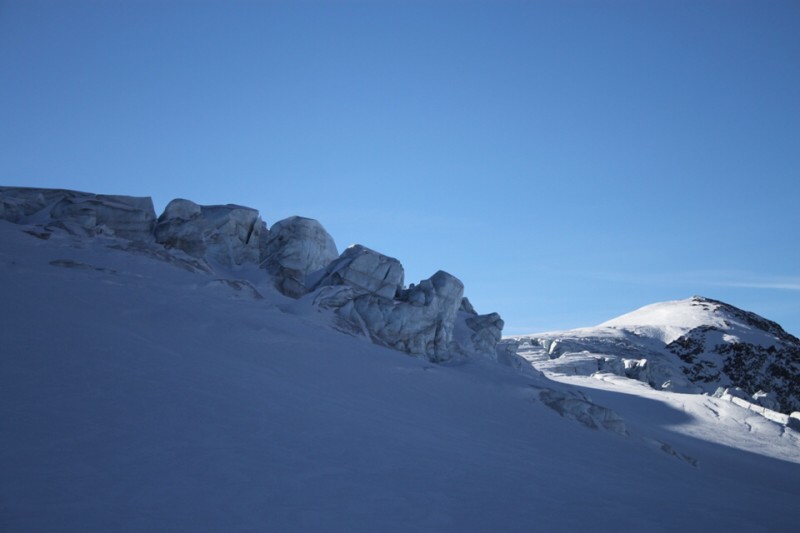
x=127 y=217
x=225 y=234
x=295 y=248
x=771 y=362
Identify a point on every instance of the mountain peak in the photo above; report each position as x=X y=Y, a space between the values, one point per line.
x=669 y=320
x=692 y=345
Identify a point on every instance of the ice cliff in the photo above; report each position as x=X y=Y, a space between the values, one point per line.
x=363 y=289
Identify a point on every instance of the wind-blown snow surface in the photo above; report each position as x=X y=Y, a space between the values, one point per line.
x=139 y=393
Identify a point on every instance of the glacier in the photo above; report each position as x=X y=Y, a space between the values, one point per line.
x=176 y=386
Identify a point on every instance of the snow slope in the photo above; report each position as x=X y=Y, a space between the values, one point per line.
x=139 y=392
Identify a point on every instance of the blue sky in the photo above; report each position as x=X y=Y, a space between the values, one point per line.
x=569 y=161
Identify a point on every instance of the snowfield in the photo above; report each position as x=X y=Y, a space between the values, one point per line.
x=141 y=392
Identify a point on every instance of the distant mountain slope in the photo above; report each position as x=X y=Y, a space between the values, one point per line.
x=692 y=345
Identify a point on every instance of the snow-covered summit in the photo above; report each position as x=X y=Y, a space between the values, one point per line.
x=692 y=345
x=668 y=321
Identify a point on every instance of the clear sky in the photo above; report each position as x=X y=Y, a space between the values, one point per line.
x=569 y=161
